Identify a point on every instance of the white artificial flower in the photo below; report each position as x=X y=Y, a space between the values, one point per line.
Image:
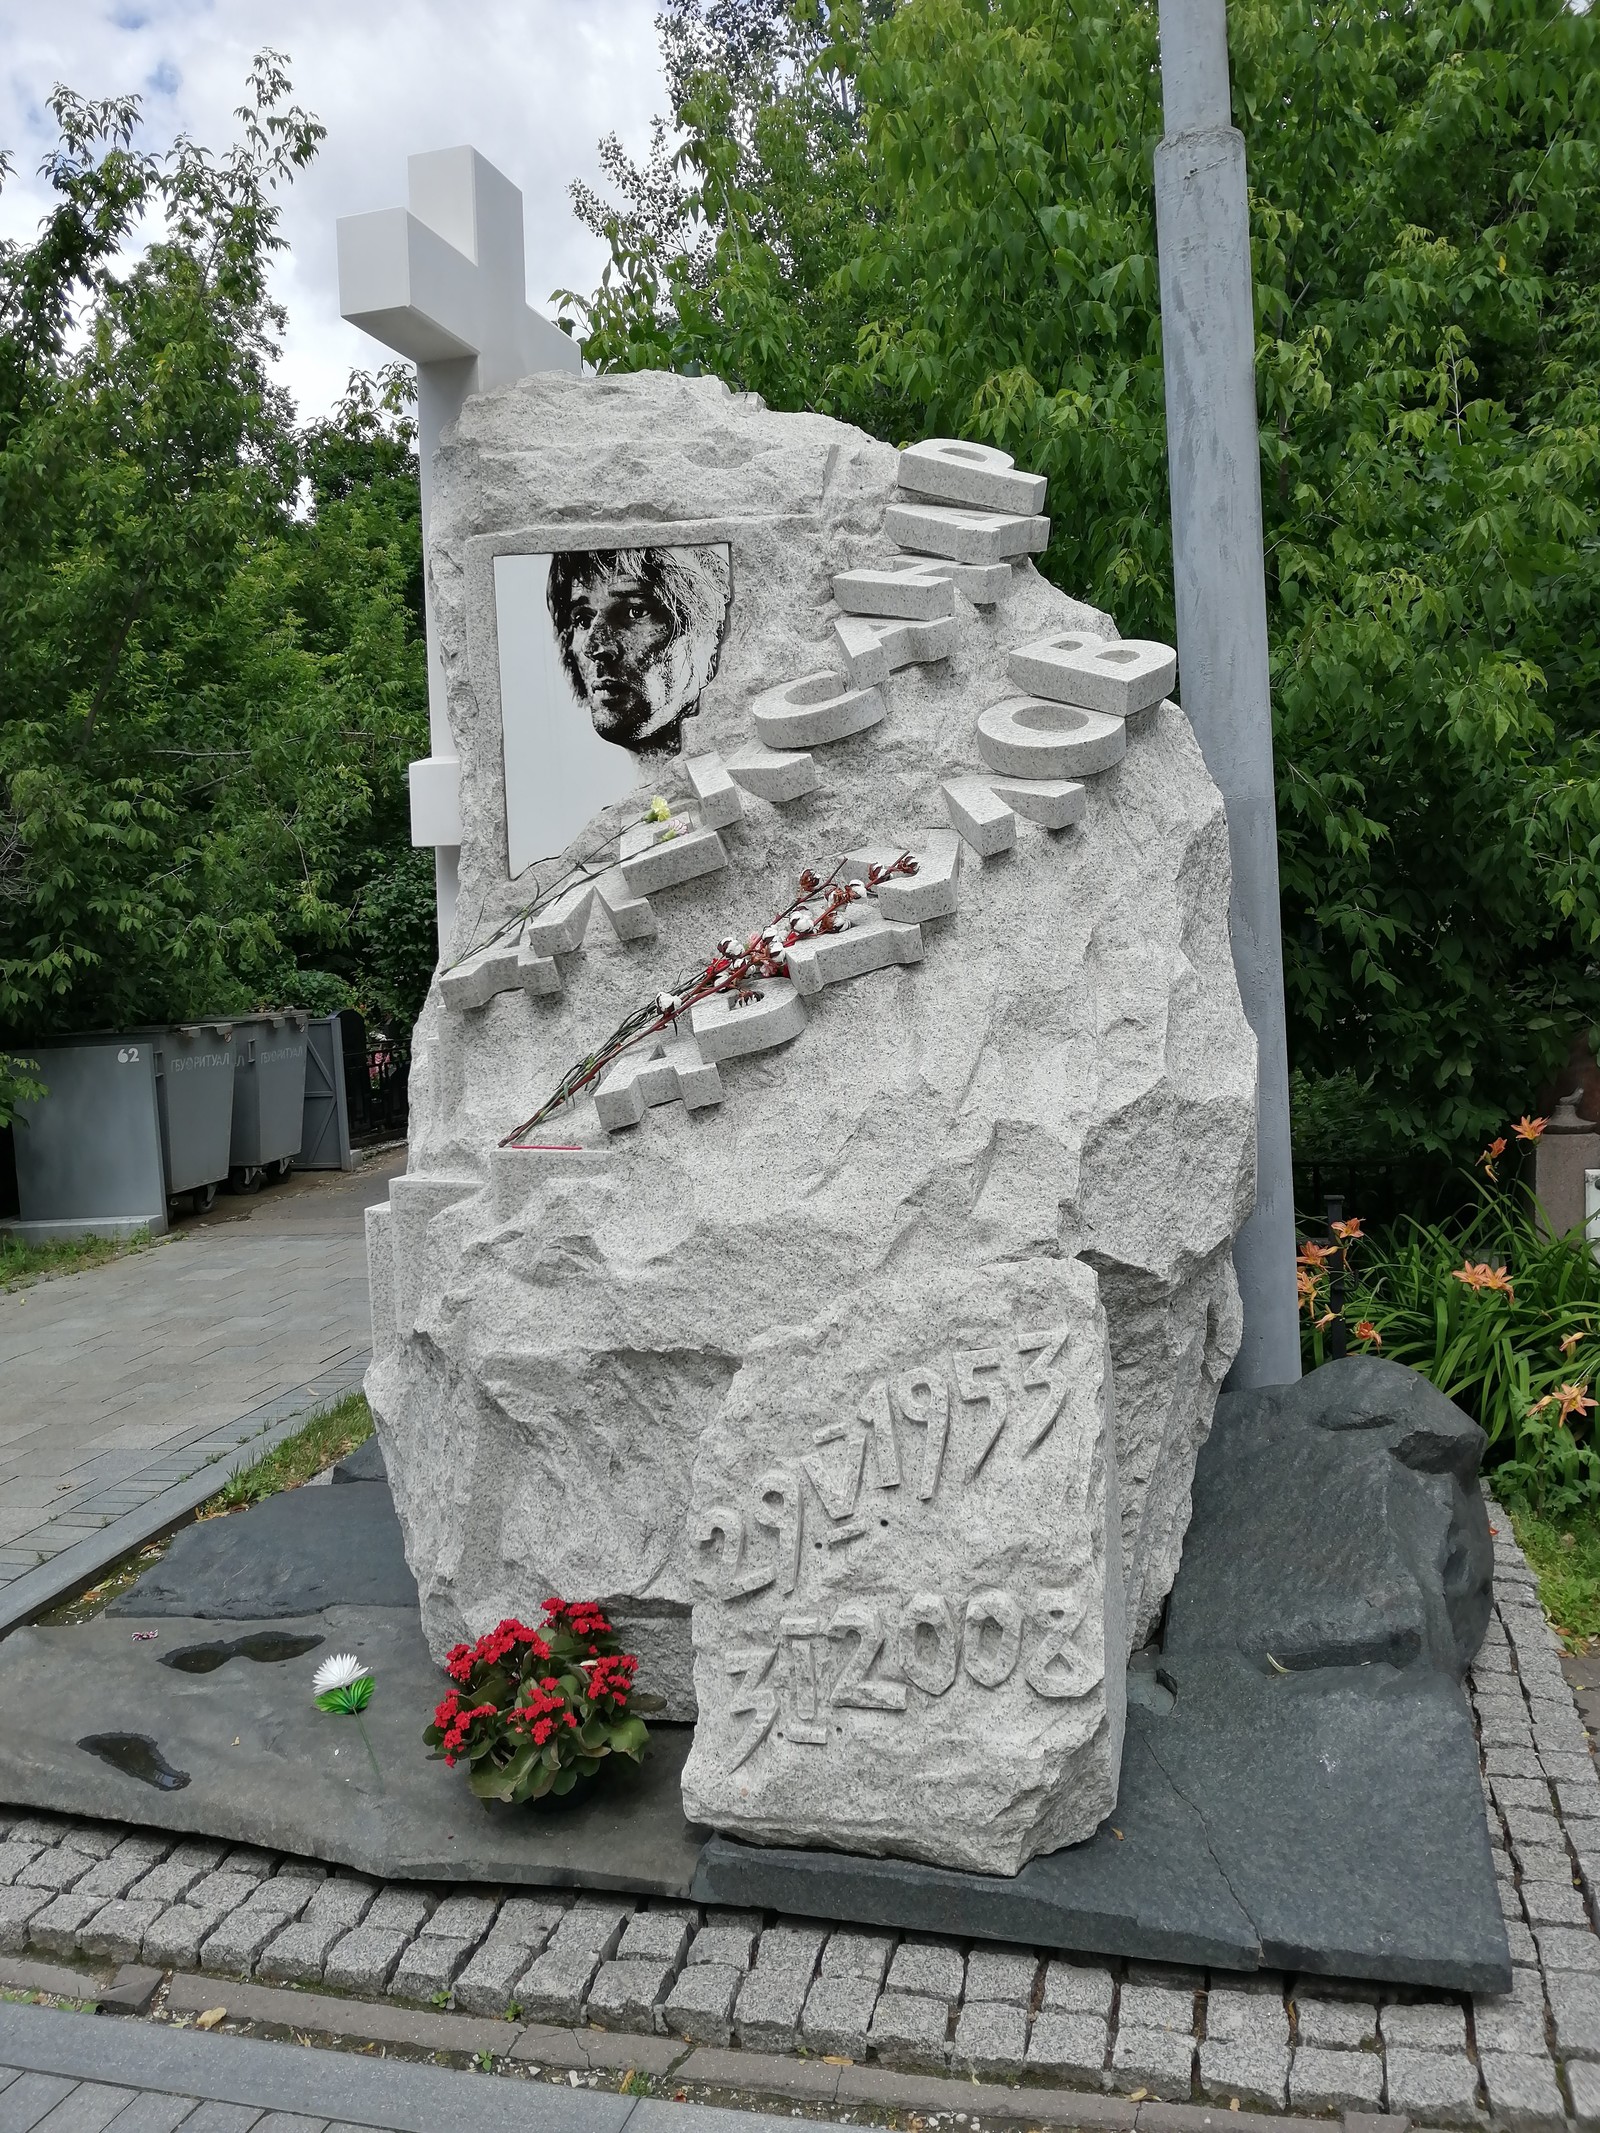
x=337 y=1673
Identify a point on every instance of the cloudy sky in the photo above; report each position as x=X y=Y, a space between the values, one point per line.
x=532 y=83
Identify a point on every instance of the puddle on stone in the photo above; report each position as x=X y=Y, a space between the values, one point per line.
x=268 y=1647
x=198 y=1658
x=137 y=1756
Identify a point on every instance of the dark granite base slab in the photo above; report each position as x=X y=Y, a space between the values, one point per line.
x=265 y=1766
x=1295 y=1823
x=1327 y=1818
x=294 y=1554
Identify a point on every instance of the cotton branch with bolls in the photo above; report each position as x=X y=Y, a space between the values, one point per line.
x=822 y=907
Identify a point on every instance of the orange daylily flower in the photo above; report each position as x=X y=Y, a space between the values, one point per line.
x=1307 y=1284
x=1484 y=1276
x=1574 y=1400
x=1569 y=1341
x=1313 y=1254
x=1492 y=1154
x=1325 y=1320
x=1529 y=1129
x=1368 y=1332
x=1348 y=1232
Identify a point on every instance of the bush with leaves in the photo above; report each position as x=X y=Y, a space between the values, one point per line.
x=1498 y=1313
x=212 y=691
x=939 y=219
x=535 y=1710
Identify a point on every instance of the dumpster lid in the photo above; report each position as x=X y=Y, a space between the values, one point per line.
x=150 y=1032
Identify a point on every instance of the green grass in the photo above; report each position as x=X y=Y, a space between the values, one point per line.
x=1564 y=1555
x=24 y=1263
x=325 y=1439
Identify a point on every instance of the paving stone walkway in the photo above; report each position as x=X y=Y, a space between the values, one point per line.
x=127 y=1381
x=67 y=2073
x=720 y=1998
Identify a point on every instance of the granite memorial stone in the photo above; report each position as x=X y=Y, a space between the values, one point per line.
x=885 y=1102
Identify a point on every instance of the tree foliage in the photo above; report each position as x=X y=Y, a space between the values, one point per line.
x=210 y=623
x=938 y=218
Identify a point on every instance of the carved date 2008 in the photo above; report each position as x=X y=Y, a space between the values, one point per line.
x=1017 y=1390
x=873 y=1667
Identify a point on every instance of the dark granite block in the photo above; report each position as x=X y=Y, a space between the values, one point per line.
x=294 y=1554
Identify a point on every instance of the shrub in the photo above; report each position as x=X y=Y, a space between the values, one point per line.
x=1500 y=1315
x=534 y=1710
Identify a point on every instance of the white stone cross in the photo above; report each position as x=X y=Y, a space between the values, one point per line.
x=444 y=282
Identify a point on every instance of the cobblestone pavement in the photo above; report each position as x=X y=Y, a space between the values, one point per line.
x=547 y=1964
x=126 y=1380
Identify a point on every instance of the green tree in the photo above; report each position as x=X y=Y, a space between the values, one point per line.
x=969 y=248
x=210 y=623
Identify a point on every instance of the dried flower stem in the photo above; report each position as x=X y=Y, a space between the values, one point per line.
x=822 y=907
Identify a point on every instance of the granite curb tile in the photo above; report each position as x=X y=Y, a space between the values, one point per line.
x=265 y=2075
x=132 y=1990
x=1077 y=1990
x=908 y=2031
x=1522 y=2090
x=603 y=2053
x=1251 y=2069
x=699 y=2007
x=1198 y=2118
x=1432 y=2088
x=28 y=1974
x=838 y=2015
x=1342 y=2080
x=711 y=2067
x=324 y=2014
x=1583 y=2082
x=1063 y=2043
x=991 y=2038
x=1341 y=2024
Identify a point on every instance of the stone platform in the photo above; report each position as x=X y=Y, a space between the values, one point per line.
x=1323 y=1814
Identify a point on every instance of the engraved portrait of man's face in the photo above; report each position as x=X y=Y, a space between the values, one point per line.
x=640 y=632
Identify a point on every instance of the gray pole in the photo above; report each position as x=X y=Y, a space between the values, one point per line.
x=1214 y=462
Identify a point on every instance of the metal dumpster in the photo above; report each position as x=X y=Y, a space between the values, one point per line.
x=269 y=1096
x=130 y=1119
x=194 y=1089
x=88 y=1151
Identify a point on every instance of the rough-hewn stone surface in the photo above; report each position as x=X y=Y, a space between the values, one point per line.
x=1370 y=1543
x=572 y=1351
x=948 y=1685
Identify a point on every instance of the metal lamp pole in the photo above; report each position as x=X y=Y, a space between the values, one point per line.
x=1214 y=461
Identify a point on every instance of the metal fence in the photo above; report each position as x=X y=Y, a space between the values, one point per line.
x=377 y=1073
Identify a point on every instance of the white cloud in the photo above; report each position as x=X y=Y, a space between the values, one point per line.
x=533 y=84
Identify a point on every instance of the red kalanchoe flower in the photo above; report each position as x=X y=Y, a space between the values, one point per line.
x=534 y=1693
